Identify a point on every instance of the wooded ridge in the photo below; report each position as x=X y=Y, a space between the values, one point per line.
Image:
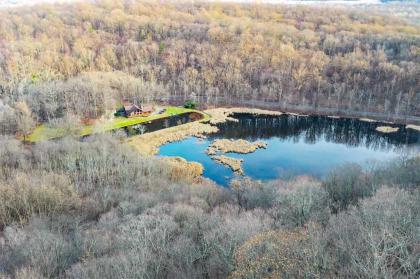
x=84 y=58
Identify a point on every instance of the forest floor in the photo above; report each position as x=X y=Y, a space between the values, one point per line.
x=43 y=132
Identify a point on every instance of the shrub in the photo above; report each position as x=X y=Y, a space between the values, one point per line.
x=379 y=238
x=27 y=195
x=12 y=157
x=403 y=172
x=275 y=254
x=41 y=250
x=346 y=184
x=28 y=273
x=120 y=112
x=190 y=104
x=143 y=244
x=251 y=194
x=299 y=201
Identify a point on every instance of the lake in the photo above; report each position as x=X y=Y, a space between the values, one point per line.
x=297 y=145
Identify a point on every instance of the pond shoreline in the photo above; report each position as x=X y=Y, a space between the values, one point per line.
x=42 y=132
x=221 y=115
x=308 y=110
x=294 y=145
x=412 y=121
x=149 y=143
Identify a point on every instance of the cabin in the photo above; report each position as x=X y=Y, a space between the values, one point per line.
x=134 y=110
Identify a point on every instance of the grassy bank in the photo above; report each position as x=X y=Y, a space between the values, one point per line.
x=43 y=132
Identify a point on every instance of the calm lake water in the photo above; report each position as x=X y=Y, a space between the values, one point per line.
x=297 y=145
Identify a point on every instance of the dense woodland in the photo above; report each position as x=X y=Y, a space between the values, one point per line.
x=83 y=59
x=98 y=209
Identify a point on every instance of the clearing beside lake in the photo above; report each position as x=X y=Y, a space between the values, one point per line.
x=44 y=132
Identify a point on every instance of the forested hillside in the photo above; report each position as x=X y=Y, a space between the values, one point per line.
x=97 y=208
x=83 y=59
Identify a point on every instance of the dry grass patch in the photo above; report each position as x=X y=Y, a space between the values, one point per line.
x=233 y=163
x=387 y=129
x=149 y=143
x=367 y=120
x=297 y=114
x=182 y=169
x=413 y=127
x=221 y=115
x=274 y=254
x=234 y=146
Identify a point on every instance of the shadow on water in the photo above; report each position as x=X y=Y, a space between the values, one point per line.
x=311 y=129
x=162 y=123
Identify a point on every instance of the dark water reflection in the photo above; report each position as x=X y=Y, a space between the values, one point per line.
x=311 y=129
x=298 y=145
x=162 y=123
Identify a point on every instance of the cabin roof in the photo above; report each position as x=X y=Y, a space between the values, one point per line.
x=131 y=107
x=134 y=108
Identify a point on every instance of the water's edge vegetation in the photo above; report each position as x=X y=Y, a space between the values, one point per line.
x=104 y=206
x=42 y=132
x=291 y=145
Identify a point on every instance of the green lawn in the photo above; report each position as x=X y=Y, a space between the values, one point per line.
x=43 y=132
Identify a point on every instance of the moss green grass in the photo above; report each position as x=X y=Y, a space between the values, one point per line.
x=43 y=132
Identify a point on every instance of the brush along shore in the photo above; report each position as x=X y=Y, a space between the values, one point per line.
x=191 y=171
x=45 y=132
x=149 y=143
x=221 y=115
x=234 y=146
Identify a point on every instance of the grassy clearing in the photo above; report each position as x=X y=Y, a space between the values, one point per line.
x=44 y=132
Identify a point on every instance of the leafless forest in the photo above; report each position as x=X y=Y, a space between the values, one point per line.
x=306 y=58
x=97 y=209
